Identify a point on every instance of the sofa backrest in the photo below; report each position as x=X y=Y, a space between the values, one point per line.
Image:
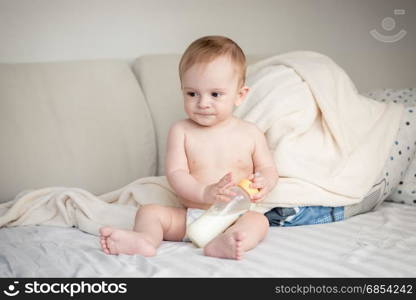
x=159 y=78
x=75 y=124
x=86 y=124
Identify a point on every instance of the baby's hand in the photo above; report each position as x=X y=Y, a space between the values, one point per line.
x=219 y=191
x=261 y=183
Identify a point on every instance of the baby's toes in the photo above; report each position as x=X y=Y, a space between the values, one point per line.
x=112 y=246
x=104 y=247
x=239 y=250
x=238 y=240
x=103 y=243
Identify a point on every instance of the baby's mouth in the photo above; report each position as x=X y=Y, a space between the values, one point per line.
x=204 y=114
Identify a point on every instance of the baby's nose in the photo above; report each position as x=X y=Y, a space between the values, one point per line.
x=204 y=102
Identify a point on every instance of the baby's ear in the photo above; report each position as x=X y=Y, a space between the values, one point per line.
x=242 y=93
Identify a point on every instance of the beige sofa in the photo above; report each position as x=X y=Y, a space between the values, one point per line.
x=96 y=125
x=99 y=125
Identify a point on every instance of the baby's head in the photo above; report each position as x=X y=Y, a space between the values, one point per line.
x=212 y=73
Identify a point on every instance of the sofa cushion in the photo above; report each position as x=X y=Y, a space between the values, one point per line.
x=159 y=78
x=77 y=124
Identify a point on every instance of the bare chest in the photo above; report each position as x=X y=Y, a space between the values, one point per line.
x=211 y=156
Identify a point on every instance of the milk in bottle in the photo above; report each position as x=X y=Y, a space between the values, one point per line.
x=221 y=215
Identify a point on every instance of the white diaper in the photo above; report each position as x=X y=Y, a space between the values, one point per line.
x=191 y=215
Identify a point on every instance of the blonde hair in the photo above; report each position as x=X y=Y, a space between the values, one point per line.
x=208 y=48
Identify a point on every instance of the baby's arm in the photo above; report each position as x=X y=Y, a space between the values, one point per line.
x=264 y=164
x=176 y=167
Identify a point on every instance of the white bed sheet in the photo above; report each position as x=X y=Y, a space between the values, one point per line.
x=381 y=243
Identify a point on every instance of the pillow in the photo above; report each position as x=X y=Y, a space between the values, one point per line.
x=400 y=169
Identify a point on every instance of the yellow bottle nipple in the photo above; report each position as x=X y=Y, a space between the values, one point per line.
x=245 y=184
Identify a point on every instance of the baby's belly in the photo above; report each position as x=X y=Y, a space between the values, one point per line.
x=213 y=175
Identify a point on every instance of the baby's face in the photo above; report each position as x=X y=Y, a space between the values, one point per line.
x=211 y=90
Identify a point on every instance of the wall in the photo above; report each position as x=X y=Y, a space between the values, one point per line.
x=50 y=30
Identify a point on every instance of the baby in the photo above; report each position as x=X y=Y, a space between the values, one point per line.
x=207 y=153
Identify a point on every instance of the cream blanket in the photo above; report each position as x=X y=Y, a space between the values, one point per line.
x=61 y=206
x=329 y=144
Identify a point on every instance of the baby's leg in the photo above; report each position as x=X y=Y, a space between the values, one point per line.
x=153 y=224
x=244 y=235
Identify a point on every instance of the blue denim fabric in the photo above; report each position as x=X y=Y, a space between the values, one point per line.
x=305 y=215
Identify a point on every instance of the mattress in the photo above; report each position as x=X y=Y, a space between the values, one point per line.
x=381 y=243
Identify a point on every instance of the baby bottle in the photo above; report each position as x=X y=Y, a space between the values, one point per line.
x=221 y=215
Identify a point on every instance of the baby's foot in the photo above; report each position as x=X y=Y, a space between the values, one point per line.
x=118 y=241
x=226 y=245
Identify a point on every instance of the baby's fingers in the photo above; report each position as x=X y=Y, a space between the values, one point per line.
x=222 y=198
x=226 y=180
x=227 y=192
x=258 y=196
x=259 y=183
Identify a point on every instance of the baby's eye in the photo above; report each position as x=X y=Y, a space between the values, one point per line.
x=215 y=94
x=191 y=94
